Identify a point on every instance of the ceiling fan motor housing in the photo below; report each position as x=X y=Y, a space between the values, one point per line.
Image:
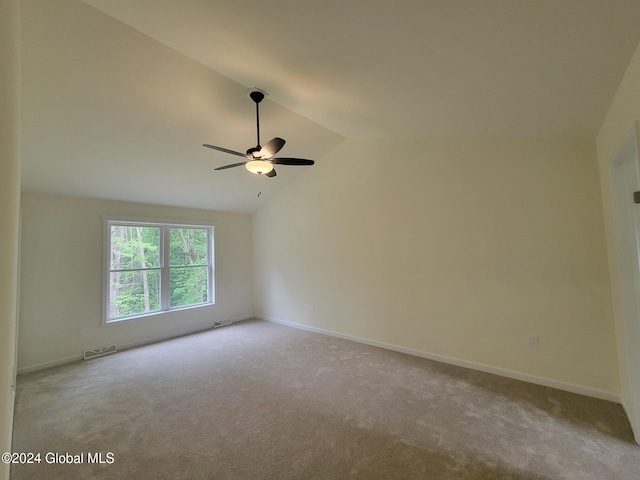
x=251 y=153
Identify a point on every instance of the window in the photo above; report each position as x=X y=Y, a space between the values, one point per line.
x=156 y=267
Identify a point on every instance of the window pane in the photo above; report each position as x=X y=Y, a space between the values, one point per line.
x=188 y=286
x=134 y=247
x=188 y=246
x=155 y=267
x=134 y=293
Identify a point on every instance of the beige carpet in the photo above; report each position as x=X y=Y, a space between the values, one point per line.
x=256 y=400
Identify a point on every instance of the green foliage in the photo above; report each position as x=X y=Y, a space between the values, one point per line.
x=129 y=298
x=188 y=286
x=134 y=247
x=188 y=248
x=135 y=264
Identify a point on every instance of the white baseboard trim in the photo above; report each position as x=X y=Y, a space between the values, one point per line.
x=53 y=363
x=568 y=387
x=181 y=333
x=129 y=345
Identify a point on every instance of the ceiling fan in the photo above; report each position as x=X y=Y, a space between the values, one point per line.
x=260 y=160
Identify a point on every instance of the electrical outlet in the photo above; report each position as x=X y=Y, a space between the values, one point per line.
x=534 y=341
x=77 y=330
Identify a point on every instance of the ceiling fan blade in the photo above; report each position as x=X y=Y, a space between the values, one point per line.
x=272 y=147
x=225 y=150
x=230 y=166
x=291 y=161
x=272 y=173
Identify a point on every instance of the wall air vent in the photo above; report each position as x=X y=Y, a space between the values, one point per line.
x=99 y=352
x=222 y=323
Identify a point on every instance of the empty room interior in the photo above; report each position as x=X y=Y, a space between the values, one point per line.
x=441 y=280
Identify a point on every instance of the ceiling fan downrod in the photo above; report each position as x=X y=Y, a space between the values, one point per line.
x=257 y=96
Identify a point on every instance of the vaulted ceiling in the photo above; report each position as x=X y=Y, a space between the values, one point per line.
x=119 y=95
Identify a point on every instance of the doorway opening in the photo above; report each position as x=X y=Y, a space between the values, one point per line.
x=626 y=218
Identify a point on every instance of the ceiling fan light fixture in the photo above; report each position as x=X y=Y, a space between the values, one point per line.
x=259 y=167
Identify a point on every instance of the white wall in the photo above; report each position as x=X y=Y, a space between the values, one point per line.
x=461 y=249
x=61 y=277
x=9 y=212
x=614 y=134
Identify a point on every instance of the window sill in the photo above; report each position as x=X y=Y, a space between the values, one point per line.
x=117 y=321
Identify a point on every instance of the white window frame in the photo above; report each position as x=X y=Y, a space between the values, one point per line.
x=165 y=267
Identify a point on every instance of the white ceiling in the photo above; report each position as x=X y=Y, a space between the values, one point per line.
x=111 y=112
x=407 y=68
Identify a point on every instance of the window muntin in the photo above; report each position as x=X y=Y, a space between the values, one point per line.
x=153 y=268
